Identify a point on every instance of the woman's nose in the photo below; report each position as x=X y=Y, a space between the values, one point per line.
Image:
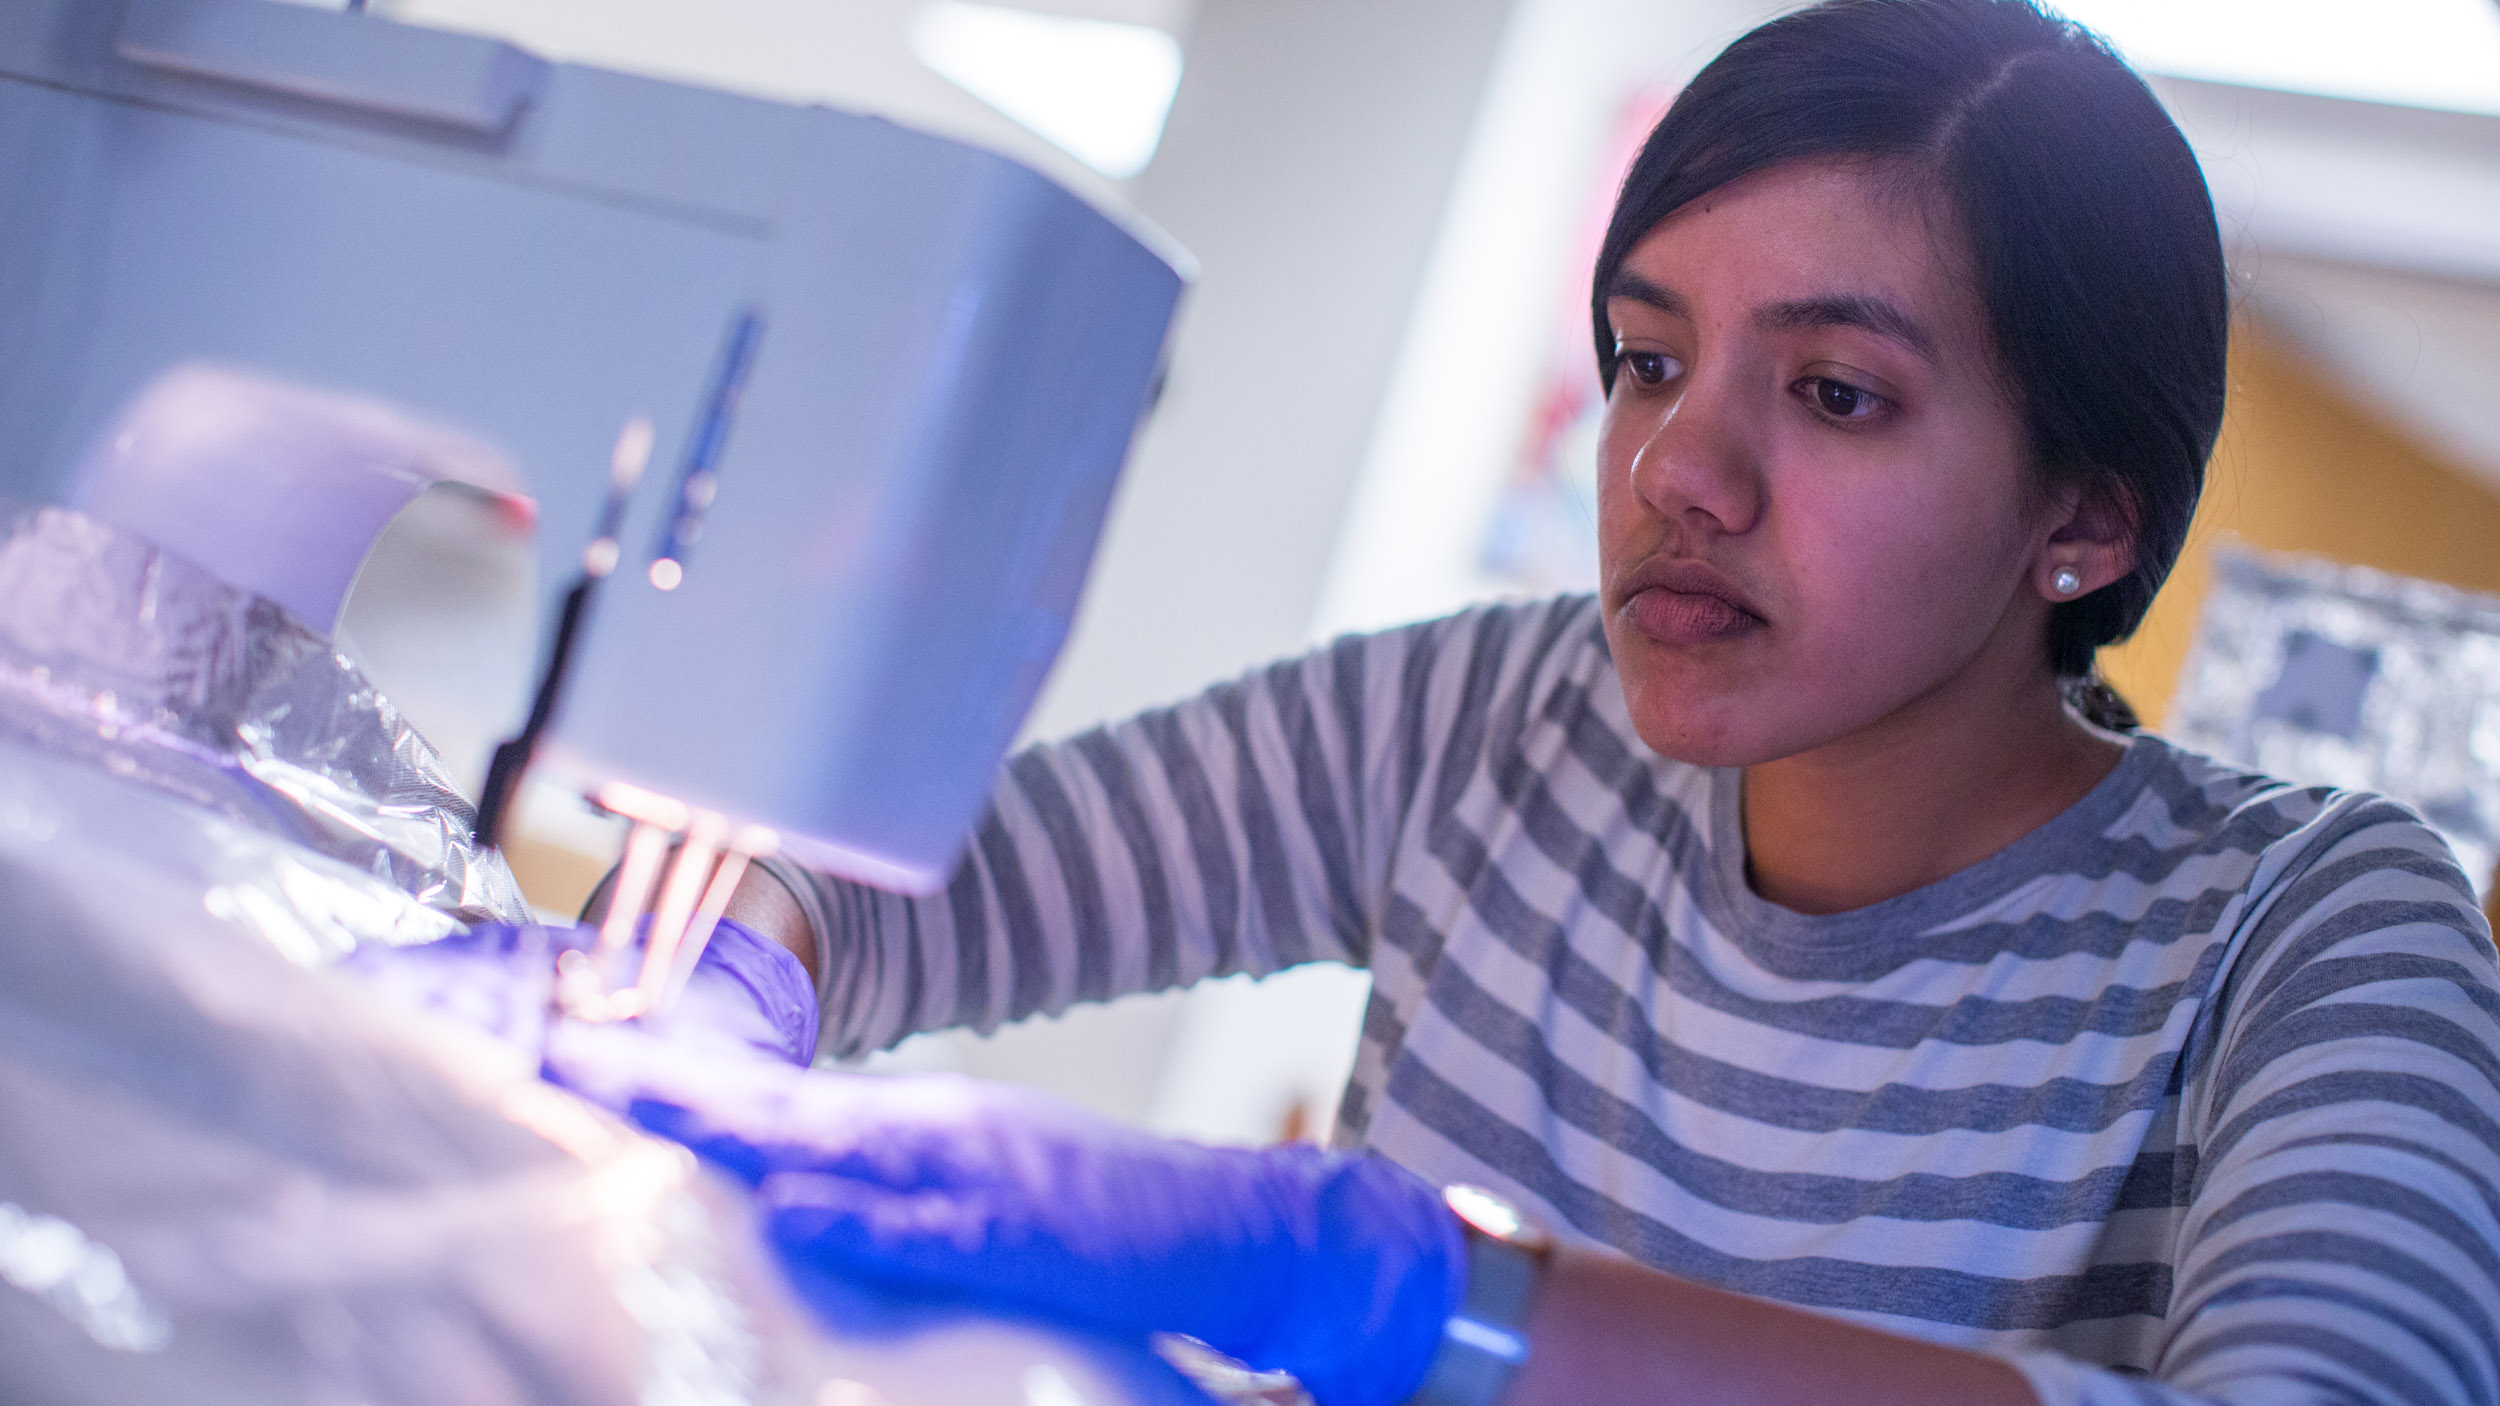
x=1698 y=464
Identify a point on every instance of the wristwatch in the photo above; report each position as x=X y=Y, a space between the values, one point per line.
x=1486 y=1340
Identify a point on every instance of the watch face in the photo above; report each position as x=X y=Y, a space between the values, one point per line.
x=1495 y=1216
x=1485 y=1211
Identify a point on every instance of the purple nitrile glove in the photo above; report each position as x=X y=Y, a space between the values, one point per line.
x=747 y=989
x=1338 y=1269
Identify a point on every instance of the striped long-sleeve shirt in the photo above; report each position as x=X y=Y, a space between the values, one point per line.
x=2193 y=1094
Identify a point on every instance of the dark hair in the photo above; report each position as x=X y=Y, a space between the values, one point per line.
x=2090 y=227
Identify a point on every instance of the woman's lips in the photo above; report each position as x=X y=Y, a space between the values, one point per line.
x=1687 y=617
x=1678 y=600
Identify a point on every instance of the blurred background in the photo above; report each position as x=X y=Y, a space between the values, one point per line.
x=1381 y=395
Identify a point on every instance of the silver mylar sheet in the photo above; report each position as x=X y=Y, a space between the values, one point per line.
x=128 y=657
x=2327 y=674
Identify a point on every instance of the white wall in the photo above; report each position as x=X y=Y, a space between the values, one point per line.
x=1307 y=165
x=1452 y=422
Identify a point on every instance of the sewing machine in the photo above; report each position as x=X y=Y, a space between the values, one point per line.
x=947 y=355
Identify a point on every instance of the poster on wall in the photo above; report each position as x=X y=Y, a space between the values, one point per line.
x=2326 y=674
x=1542 y=536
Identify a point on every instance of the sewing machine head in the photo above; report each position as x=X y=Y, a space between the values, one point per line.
x=889 y=380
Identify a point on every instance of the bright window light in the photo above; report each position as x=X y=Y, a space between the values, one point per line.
x=1096 y=89
x=2419 y=53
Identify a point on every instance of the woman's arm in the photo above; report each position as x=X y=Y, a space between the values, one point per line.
x=2340 y=1120
x=1231 y=832
x=1606 y=1331
x=1243 y=830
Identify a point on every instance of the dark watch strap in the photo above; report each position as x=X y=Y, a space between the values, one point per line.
x=1486 y=1340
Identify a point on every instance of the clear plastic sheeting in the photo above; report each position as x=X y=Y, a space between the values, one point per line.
x=128 y=657
x=2326 y=674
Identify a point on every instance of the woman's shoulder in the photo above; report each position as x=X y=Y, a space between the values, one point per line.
x=2203 y=794
x=2359 y=955
x=2315 y=848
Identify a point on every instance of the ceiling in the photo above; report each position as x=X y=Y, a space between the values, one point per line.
x=2370 y=235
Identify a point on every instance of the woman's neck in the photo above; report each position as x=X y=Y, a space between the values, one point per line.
x=1927 y=792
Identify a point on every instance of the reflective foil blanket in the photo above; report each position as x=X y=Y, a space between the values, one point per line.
x=122 y=655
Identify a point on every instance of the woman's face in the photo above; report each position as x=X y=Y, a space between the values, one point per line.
x=1814 y=504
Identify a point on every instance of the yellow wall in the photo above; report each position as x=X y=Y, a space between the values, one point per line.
x=2304 y=467
x=555 y=878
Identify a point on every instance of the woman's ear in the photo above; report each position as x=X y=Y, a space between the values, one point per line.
x=2091 y=545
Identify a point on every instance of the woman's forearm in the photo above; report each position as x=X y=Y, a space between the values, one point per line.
x=1606 y=1330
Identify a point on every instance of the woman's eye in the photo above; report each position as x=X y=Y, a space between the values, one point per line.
x=1649 y=368
x=1839 y=399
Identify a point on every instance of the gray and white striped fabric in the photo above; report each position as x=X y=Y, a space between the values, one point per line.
x=2191 y=1095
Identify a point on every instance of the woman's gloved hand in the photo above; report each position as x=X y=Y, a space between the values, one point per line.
x=1338 y=1269
x=746 y=990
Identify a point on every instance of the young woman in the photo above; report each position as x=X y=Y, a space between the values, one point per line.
x=1793 y=927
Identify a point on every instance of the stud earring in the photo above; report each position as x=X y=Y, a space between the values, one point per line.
x=2067 y=581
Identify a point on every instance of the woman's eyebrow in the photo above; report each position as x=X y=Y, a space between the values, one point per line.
x=1632 y=286
x=1857 y=310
